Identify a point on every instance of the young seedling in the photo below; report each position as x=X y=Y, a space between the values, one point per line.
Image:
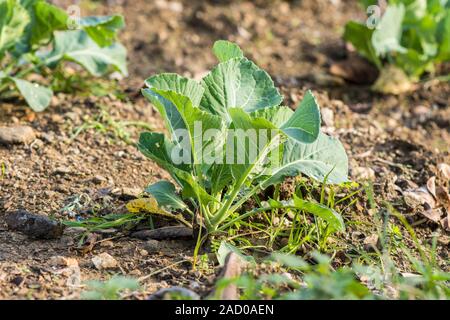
x=229 y=138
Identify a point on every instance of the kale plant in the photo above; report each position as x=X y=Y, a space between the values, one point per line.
x=36 y=35
x=412 y=35
x=229 y=138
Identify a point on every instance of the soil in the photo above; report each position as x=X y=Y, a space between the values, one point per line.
x=401 y=138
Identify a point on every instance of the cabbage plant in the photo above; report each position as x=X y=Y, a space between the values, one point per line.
x=228 y=137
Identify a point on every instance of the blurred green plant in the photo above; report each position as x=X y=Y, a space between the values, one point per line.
x=36 y=36
x=412 y=35
x=319 y=280
x=111 y=289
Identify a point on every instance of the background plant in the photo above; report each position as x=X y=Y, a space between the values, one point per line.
x=35 y=37
x=413 y=35
x=237 y=94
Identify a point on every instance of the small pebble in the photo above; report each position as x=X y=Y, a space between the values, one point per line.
x=104 y=261
x=16 y=135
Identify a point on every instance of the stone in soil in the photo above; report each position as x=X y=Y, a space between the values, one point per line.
x=363 y=173
x=34 y=226
x=232 y=269
x=372 y=243
x=327 y=116
x=126 y=194
x=104 y=261
x=16 y=135
x=60 y=261
x=152 y=246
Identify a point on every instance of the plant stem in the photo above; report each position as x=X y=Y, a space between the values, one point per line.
x=198 y=245
x=243 y=216
x=225 y=211
x=205 y=214
x=3 y=87
x=242 y=200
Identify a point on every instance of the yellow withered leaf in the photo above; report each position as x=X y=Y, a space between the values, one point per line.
x=143 y=205
x=150 y=205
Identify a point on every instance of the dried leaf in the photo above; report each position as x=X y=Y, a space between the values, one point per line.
x=433 y=215
x=443 y=197
x=418 y=197
x=150 y=205
x=143 y=205
x=445 y=222
x=422 y=197
x=431 y=186
x=444 y=171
